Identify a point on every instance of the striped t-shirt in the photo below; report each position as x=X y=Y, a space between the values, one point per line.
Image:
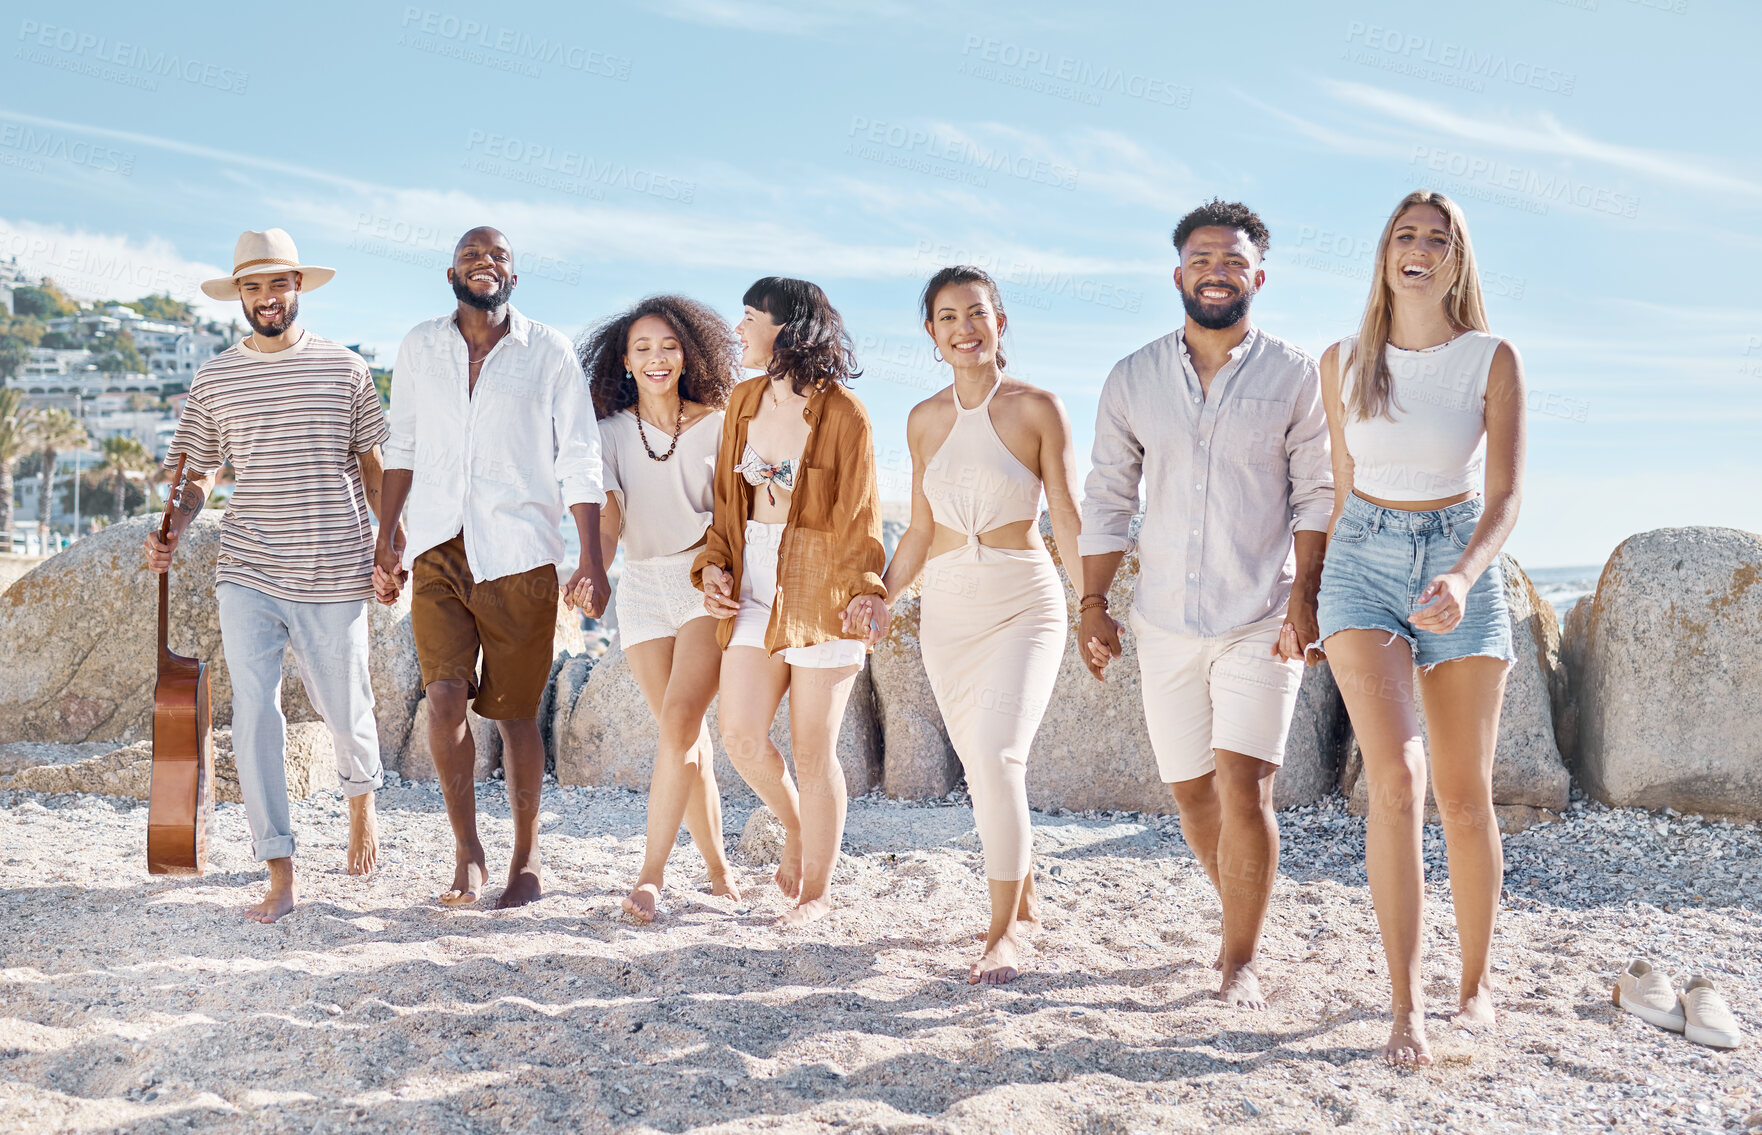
x=297 y=525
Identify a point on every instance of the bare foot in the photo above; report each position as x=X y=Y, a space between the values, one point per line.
x=1476 y=1013
x=1028 y=914
x=997 y=965
x=804 y=913
x=1407 y=1040
x=789 y=867
x=523 y=886
x=725 y=886
x=1240 y=988
x=278 y=901
x=363 y=835
x=469 y=874
x=642 y=902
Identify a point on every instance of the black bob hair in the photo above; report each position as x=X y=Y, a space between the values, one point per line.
x=813 y=347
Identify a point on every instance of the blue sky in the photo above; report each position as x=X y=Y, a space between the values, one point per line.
x=1606 y=152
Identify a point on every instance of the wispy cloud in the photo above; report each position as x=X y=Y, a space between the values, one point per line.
x=1542 y=133
x=106 y=266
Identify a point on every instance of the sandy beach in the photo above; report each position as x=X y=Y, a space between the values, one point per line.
x=148 y=1004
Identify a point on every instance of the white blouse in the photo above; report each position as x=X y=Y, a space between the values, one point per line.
x=665 y=505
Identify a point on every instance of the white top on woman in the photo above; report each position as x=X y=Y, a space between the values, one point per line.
x=665 y=505
x=1436 y=445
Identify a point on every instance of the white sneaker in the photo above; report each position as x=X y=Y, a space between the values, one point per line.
x=1707 y=1020
x=1648 y=995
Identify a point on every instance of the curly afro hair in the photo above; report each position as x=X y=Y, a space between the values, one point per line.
x=813 y=347
x=711 y=354
x=1226 y=214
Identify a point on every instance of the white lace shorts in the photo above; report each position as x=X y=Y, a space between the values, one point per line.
x=655 y=598
x=758 y=589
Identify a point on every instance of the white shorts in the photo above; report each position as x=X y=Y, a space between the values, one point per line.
x=758 y=590
x=1205 y=694
x=655 y=598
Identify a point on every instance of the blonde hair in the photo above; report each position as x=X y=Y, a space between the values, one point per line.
x=1372 y=395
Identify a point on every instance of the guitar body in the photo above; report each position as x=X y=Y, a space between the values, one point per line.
x=180 y=805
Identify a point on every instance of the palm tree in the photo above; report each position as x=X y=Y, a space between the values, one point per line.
x=53 y=432
x=124 y=455
x=15 y=442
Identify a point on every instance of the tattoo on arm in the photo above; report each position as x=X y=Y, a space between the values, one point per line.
x=190 y=500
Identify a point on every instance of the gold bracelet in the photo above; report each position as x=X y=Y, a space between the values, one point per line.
x=1090 y=601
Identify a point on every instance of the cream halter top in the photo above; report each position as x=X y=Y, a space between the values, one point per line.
x=974 y=483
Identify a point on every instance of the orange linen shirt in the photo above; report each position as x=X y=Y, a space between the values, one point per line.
x=831 y=549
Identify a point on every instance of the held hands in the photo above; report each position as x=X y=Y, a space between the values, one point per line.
x=719 y=593
x=868 y=614
x=159 y=552
x=1099 y=633
x=388 y=566
x=588 y=591
x=1441 y=603
x=1298 y=637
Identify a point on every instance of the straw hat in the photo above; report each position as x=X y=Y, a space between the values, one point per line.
x=258 y=253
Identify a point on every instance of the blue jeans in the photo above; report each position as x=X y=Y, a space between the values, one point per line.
x=330 y=645
x=1380 y=560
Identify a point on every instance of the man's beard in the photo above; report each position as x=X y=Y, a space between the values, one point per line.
x=290 y=311
x=1214 y=318
x=497 y=298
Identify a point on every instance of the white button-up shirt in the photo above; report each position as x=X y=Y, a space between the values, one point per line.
x=500 y=463
x=1228 y=477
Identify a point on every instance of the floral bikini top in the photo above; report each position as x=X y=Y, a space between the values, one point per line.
x=758 y=471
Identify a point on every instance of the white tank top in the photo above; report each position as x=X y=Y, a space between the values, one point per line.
x=974 y=483
x=1436 y=445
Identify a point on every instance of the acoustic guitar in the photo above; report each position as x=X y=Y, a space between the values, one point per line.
x=180 y=806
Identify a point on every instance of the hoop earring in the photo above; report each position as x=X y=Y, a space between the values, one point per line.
x=937 y=351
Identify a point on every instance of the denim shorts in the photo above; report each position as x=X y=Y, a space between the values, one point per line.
x=1380 y=559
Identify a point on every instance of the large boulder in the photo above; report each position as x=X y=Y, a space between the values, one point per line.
x=128 y=771
x=1668 y=665
x=606 y=735
x=1530 y=781
x=79 y=637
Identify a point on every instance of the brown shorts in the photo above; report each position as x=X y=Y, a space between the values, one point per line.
x=512 y=620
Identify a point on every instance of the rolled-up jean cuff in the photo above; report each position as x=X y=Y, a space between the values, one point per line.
x=280 y=847
x=362 y=787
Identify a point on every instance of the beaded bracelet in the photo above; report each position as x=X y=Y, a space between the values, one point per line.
x=1091 y=600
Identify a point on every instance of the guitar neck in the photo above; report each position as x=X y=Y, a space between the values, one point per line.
x=172 y=496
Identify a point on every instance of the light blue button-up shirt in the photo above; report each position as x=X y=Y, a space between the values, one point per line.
x=1228 y=477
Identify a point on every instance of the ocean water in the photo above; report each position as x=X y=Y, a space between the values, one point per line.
x=1563 y=586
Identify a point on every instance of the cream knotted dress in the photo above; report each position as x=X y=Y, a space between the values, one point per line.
x=992 y=629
